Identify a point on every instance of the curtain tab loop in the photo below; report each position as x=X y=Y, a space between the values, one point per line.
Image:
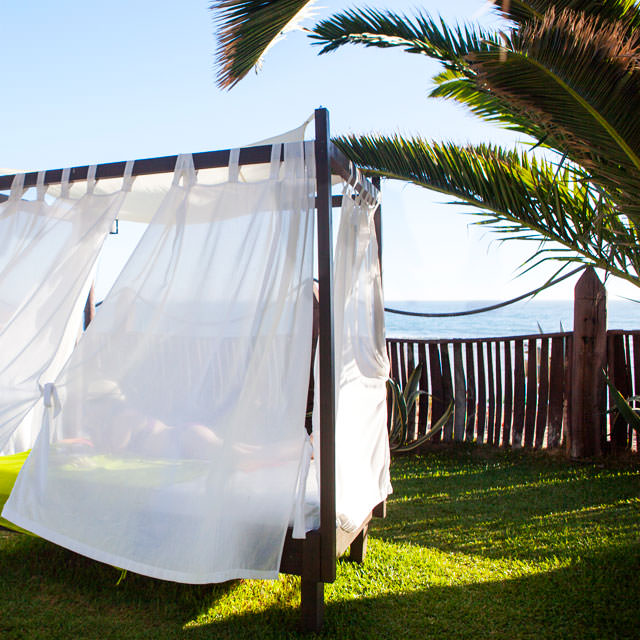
x=91 y=179
x=276 y=153
x=64 y=184
x=41 y=187
x=17 y=187
x=184 y=170
x=234 y=165
x=127 y=177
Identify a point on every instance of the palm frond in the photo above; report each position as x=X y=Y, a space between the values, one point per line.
x=524 y=11
x=246 y=29
x=421 y=34
x=579 y=79
x=484 y=104
x=520 y=197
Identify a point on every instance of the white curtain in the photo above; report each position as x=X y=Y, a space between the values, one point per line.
x=47 y=258
x=362 y=367
x=172 y=440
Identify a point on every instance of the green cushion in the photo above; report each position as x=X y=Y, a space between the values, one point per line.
x=9 y=468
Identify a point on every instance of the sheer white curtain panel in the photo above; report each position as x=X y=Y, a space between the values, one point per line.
x=362 y=367
x=174 y=436
x=47 y=257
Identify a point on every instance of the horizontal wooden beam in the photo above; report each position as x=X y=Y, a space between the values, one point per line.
x=340 y=165
x=534 y=336
x=147 y=166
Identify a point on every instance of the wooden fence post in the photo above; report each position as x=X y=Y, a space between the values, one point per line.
x=586 y=413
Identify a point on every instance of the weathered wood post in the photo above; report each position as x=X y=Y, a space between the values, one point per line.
x=586 y=411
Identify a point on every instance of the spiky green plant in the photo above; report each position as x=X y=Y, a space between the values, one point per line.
x=628 y=408
x=402 y=419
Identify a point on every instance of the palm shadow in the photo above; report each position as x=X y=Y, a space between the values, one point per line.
x=573 y=602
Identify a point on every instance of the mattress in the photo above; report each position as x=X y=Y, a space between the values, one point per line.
x=187 y=481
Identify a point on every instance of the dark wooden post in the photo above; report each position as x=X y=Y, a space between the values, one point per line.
x=326 y=351
x=586 y=412
x=377 y=221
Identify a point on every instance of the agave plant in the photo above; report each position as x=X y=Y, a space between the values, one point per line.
x=403 y=405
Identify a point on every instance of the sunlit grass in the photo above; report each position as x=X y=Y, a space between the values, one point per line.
x=478 y=544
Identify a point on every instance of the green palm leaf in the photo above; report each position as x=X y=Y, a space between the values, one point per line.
x=384 y=29
x=522 y=197
x=572 y=74
x=522 y=11
x=246 y=28
x=485 y=104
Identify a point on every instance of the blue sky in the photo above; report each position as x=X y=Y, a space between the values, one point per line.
x=87 y=82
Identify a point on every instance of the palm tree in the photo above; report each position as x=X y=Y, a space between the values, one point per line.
x=566 y=73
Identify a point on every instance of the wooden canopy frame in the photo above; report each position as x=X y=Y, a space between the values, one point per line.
x=314 y=557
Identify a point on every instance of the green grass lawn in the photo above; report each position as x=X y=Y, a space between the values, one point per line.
x=477 y=544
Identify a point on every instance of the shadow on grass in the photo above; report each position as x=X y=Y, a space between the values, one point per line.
x=49 y=592
x=575 y=602
x=496 y=506
x=37 y=581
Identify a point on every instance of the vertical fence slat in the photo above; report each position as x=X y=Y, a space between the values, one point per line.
x=482 y=393
x=508 y=395
x=636 y=363
x=437 y=389
x=395 y=361
x=543 y=394
x=532 y=392
x=518 y=393
x=470 y=426
x=492 y=395
x=411 y=360
x=447 y=388
x=497 y=436
x=412 y=417
x=423 y=410
x=556 y=395
x=460 y=391
x=635 y=338
x=403 y=364
x=629 y=376
x=619 y=429
x=568 y=355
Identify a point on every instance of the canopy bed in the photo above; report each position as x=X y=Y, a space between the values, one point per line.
x=169 y=438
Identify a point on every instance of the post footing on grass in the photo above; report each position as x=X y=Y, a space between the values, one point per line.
x=311 y=605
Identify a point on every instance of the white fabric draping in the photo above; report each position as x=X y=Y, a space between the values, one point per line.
x=362 y=367
x=47 y=257
x=173 y=439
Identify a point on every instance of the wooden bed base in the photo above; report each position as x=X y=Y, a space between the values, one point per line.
x=302 y=558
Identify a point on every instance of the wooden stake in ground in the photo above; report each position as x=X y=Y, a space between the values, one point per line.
x=586 y=418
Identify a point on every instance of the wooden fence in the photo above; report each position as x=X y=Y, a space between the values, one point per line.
x=513 y=391
x=502 y=395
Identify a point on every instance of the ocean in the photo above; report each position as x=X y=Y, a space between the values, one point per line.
x=522 y=318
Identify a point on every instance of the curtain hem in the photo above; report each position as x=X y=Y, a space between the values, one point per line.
x=131 y=565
